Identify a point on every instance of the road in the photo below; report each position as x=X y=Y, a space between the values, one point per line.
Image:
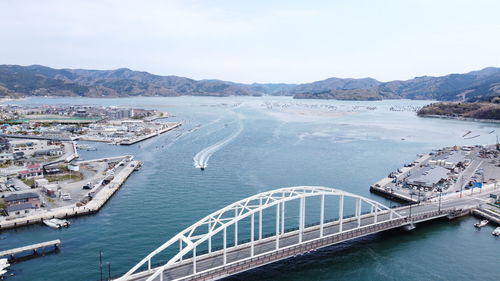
x=215 y=259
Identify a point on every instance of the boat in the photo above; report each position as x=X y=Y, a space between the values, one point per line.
x=481 y=223
x=468 y=132
x=2 y=272
x=496 y=232
x=138 y=166
x=4 y=266
x=56 y=223
x=4 y=261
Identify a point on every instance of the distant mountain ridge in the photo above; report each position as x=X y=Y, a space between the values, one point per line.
x=37 y=80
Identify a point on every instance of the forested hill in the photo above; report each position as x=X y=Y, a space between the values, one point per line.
x=36 y=80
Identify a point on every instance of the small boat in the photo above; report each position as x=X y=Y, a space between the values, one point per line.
x=4 y=266
x=56 y=223
x=496 y=232
x=138 y=166
x=4 y=261
x=481 y=223
x=2 y=272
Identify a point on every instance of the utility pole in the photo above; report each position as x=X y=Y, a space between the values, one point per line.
x=411 y=202
x=439 y=205
x=109 y=271
x=461 y=184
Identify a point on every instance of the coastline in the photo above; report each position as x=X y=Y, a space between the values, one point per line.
x=101 y=197
x=459 y=118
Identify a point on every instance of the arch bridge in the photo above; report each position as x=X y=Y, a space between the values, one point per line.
x=262 y=229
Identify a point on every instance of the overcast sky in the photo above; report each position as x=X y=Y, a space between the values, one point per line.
x=255 y=41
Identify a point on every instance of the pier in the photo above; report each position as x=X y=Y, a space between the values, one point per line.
x=33 y=249
x=157 y=133
x=103 y=194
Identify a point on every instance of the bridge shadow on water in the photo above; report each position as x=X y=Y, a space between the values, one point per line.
x=329 y=263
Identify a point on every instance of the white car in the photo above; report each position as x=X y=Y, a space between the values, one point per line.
x=66 y=196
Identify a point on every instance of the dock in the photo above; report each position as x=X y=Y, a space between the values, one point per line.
x=487 y=214
x=34 y=249
x=102 y=196
x=157 y=133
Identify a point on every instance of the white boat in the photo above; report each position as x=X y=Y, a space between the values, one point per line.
x=4 y=261
x=4 y=266
x=2 y=272
x=56 y=223
x=496 y=232
x=481 y=223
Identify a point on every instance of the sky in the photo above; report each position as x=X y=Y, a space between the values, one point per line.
x=255 y=41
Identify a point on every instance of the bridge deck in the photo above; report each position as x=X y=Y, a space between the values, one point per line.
x=209 y=266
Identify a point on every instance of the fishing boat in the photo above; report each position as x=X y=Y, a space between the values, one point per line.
x=4 y=266
x=481 y=223
x=496 y=232
x=56 y=223
x=138 y=166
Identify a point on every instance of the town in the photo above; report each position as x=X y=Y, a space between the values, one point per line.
x=42 y=178
x=451 y=172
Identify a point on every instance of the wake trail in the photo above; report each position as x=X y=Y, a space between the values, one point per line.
x=200 y=160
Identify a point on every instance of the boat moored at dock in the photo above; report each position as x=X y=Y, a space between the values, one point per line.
x=57 y=223
x=496 y=232
x=481 y=223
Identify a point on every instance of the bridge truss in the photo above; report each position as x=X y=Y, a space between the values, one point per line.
x=186 y=242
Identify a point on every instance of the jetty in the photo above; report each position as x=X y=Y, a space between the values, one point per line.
x=170 y=127
x=34 y=249
x=102 y=195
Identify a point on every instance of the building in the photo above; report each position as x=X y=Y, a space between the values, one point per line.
x=20 y=210
x=22 y=198
x=428 y=177
x=449 y=159
x=4 y=157
x=29 y=147
x=33 y=170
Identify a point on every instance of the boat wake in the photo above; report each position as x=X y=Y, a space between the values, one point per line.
x=200 y=160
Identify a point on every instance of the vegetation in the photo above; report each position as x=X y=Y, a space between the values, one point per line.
x=74 y=176
x=2 y=204
x=476 y=110
x=29 y=182
x=38 y=80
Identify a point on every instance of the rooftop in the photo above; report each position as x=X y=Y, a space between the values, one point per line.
x=19 y=207
x=21 y=196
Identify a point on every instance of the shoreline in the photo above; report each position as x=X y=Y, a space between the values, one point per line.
x=459 y=118
x=93 y=206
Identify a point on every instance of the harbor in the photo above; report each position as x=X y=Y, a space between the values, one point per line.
x=168 y=194
x=102 y=193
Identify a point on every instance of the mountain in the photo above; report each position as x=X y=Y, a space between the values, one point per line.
x=476 y=84
x=37 y=80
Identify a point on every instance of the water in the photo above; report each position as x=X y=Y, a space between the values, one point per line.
x=252 y=149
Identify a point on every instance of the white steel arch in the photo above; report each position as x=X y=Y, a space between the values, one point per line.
x=230 y=216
